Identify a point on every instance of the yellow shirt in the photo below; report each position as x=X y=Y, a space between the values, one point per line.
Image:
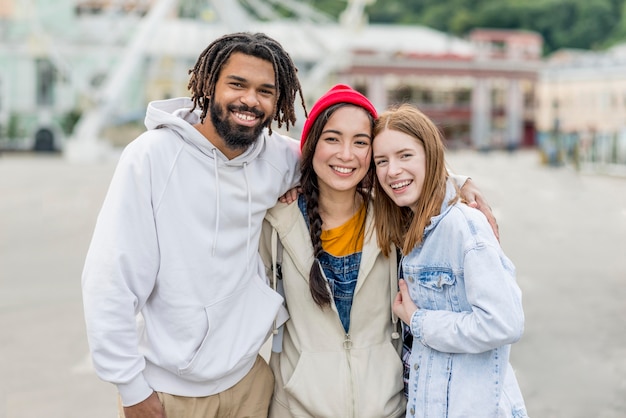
x=345 y=239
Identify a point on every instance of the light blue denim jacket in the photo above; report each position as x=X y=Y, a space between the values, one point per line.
x=470 y=312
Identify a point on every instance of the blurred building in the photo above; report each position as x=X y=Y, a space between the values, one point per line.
x=54 y=59
x=583 y=91
x=480 y=91
x=581 y=104
x=98 y=62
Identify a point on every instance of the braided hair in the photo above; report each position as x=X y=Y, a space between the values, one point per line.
x=206 y=71
x=310 y=191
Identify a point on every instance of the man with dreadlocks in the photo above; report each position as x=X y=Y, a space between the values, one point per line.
x=175 y=296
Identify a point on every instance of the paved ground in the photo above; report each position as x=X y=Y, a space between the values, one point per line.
x=566 y=233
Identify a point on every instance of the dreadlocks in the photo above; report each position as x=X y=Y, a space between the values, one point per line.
x=207 y=69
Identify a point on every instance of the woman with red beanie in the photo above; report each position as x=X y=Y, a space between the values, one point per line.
x=338 y=355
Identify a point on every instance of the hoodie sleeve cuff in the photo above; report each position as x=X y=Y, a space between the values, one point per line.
x=135 y=391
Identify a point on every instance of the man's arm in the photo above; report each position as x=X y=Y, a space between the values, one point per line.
x=474 y=198
x=119 y=275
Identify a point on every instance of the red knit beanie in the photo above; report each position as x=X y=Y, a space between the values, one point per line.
x=340 y=93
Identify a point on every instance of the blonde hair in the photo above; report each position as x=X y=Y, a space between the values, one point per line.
x=403 y=226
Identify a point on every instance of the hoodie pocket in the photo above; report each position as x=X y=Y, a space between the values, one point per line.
x=318 y=385
x=324 y=384
x=238 y=325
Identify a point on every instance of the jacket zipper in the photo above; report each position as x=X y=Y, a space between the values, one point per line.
x=347 y=345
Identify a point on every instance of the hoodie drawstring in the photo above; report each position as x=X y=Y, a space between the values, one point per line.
x=217 y=202
x=217 y=205
x=245 y=175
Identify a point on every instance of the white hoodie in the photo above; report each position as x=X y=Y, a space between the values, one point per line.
x=174 y=290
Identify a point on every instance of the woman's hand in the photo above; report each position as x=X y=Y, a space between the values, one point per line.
x=290 y=195
x=403 y=305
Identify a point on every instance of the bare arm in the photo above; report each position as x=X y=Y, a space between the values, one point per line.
x=403 y=305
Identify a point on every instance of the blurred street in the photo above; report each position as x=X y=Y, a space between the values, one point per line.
x=565 y=232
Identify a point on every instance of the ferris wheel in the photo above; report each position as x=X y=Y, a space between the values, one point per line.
x=236 y=15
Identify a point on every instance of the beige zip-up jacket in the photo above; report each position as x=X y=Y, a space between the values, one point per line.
x=322 y=371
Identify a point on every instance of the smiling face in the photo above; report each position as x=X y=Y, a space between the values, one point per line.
x=244 y=100
x=400 y=163
x=342 y=153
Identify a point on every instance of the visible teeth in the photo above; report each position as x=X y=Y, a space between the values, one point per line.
x=343 y=170
x=401 y=184
x=245 y=117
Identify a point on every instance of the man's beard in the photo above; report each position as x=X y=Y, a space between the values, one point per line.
x=236 y=137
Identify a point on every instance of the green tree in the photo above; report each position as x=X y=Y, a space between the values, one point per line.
x=588 y=24
x=619 y=31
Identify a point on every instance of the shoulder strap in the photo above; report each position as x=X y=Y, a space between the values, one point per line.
x=277 y=285
x=276 y=258
x=393 y=282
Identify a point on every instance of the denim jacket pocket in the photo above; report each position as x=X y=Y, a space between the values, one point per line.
x=434 y=289
x=436 y=279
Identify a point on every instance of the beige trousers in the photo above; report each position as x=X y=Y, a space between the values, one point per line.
x=249 y=398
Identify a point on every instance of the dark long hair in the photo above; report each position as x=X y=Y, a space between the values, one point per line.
x=310 y=191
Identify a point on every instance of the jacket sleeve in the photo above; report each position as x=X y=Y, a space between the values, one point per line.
x=496 y=317
x=119 y=274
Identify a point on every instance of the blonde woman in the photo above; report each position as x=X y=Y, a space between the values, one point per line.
x=458 y=293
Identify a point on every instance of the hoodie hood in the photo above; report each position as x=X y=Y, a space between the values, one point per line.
x=176 y=115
